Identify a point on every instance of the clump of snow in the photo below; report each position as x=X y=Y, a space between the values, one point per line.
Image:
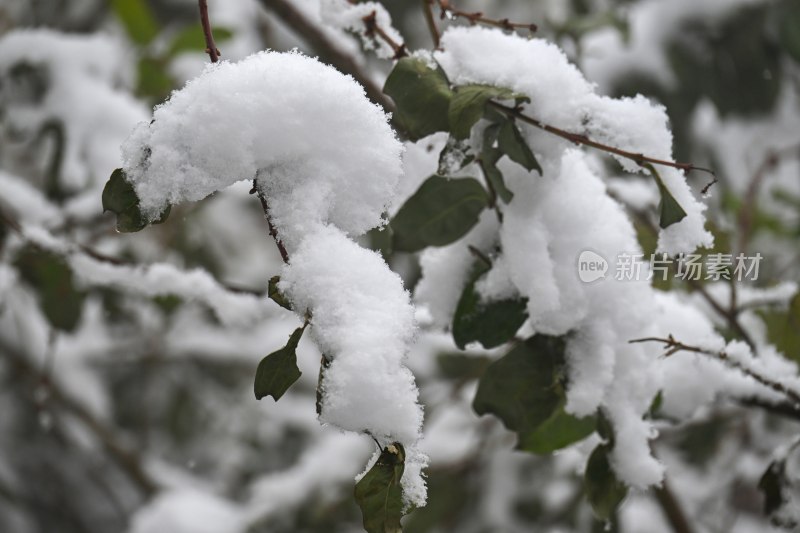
x=188 y=511
x=321 y=150
x=363 y=322
x=553 y=218
x=328 y=162
x=562 y=97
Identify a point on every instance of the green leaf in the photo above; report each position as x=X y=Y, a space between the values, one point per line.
x=789 y=16
x=468 y=103
x=558 y=431
x=489 y=323
x=51 y=277
x=488 y=163
x=422 y=96
x=379 y=494
x=191 y=39
x=139 y=22
x=603 y=490
x=275 y=295
x=783 y=328
x=154 y=81
x=521 y=388
x=513 y=144
x=440 y=212
x=771 y=485
x=278 y=371
x=671 y=210
x=120 y=198
x=460 y=366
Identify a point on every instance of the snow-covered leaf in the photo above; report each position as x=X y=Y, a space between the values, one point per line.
x=379 y=494
x=671 y=211
x=454 y=156
x=603 y=490
x=440 y=212
x=422 y=95
x=120 y=198
x=276 y=295
x=278 y=371
x=489 y=323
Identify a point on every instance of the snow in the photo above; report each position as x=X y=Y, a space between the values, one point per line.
x=85 y=77
x=345 y=15
x=562 y=97
x=155 y=279
x=363 y=322
x=328 y=162
x=322 y=152
x=608 y=56
x=187 y=511
x=553 y=218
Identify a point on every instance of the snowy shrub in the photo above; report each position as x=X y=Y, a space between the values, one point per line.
x=519 y=236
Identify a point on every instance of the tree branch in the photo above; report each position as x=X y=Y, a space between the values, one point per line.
x=672 y=346
x=128 y=461
x=326 y=48
x=745 y=218
x=373 y=29
x=427 y=10
x=476 y=17
x=581 y=139
x=672 y=508
x=211 y=48
x=272 y=231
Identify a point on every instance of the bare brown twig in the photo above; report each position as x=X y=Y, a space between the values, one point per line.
x=672 y=346
x=730 y=315
x=328 y=50
x=372 y=29
x=211 y=48
x=427 y=10
x=272 y=231
x=745 y=217
x=446 y=9
x=581 y=139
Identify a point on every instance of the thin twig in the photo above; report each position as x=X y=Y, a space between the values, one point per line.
x=730 y=315
x=745 y=218
x=72 y=248
x=272 y=231
x=581 y=139
x=373 y=29
x=211 y=48
x=672 y=346
x=327 y=49
x=477 y=17
x=672 y=508
x=427 y=10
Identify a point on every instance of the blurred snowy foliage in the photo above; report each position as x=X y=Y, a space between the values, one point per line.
x=127 y=360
